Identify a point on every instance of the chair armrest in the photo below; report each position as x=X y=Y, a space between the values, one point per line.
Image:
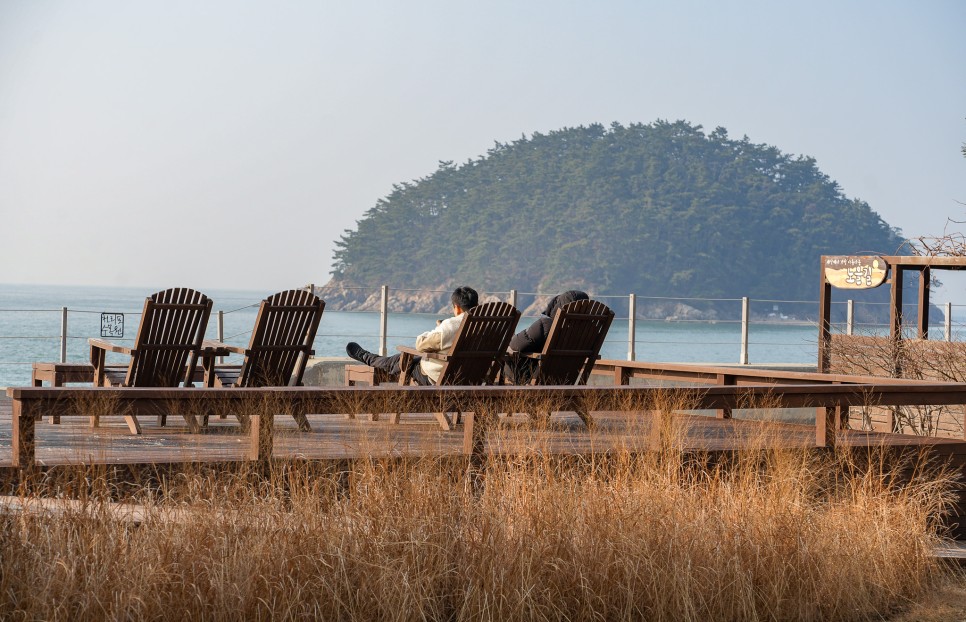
x=221 y=349
x=439 y=356
x=107 y=346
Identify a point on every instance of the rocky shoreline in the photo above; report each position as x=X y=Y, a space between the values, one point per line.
x=342 y=297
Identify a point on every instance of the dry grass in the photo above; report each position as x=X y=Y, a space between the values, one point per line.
x=945 y=603
x=668 y=534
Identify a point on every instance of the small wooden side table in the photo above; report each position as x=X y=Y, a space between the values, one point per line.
x=57 y=374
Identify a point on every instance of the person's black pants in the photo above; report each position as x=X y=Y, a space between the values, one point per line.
x=391 y=365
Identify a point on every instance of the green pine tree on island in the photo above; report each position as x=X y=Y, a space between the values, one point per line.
x=662 y=209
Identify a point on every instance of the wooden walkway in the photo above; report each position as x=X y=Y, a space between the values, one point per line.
x=811 y=415
x=333 y=437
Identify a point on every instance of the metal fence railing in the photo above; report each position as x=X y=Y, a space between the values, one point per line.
x=683 y=329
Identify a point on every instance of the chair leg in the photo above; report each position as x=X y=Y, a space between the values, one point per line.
x=444 y=422
x=132 y=423
x=303 y=422
x=192 y=422
x=245 y=422
x=586 y=418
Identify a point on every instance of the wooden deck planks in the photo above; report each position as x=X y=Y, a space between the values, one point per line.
x=335 y=437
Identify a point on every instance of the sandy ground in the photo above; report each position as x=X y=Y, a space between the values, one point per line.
x=947 y=604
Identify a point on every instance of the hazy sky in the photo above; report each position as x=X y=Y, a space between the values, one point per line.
x=227 y=144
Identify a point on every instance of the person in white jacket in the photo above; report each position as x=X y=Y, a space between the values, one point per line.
x=440 y=339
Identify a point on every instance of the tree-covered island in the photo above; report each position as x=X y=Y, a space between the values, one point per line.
x=660 y=209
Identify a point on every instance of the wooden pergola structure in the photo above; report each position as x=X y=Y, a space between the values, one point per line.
x=893 y=272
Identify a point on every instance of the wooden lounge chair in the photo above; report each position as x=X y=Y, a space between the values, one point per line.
x=477 y=353
x=165 y=350
x=279 y=348
x=573 y=346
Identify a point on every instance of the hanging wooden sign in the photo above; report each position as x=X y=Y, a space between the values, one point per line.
x=855 y=271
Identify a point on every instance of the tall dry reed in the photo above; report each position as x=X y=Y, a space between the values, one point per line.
x=662 y=534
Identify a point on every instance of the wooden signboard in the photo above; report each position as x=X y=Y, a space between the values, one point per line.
x=855 y=271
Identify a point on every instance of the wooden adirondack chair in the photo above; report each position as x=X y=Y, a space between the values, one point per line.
x=573 y=346
x=165 y=350
x=477 y=353
x=279 y=348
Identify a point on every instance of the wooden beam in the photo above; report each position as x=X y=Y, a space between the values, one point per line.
x=944 y=263
x=707 y=374
x=824 y=322
x=923 y=317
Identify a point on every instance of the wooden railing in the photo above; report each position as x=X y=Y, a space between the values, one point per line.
x=735 y=390
x=621 y=371
x=827 y=418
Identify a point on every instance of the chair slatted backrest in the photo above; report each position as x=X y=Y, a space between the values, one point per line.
x=169 y=337
x=281 y=342
x=480 y=344
x=573 y=344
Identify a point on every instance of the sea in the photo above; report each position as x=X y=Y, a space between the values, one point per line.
x=31 y=321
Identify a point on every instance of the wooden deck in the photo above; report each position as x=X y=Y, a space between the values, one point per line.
x=810 y=416
x=333 y=437
x=812 y=409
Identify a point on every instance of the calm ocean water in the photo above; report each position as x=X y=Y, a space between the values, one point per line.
x=30 y=326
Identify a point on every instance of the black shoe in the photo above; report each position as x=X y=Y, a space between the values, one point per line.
x=354 y=350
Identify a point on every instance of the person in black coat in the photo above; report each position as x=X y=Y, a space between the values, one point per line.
x=533 y=338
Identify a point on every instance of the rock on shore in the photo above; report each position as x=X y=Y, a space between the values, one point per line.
x=435 y=299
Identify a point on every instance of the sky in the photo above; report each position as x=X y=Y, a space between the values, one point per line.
x=229 y=143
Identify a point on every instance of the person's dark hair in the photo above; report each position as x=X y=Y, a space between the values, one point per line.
x=465 y=298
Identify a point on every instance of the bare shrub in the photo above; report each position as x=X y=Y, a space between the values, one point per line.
x=917 y=359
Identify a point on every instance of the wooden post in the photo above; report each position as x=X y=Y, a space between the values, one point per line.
x=475 y=426
x=631 y=326
x=828 y=420
x=824 y=427
x=895 y=320
x=923 y=317
x=469 y=420
x=743 y=359
x=23 y=437
x=383 y=320
x=262 y=438
x=850 y=318
x=622 y=375
x=824 y=323
x=513 y=298
x=655 y=438
x=724 y=380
